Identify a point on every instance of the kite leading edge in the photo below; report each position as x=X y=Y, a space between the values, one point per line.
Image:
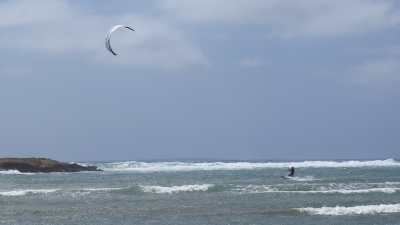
x=108 y=36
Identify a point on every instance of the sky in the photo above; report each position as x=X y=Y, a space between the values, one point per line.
x=212 y=79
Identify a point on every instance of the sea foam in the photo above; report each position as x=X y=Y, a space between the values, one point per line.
x=176 y=189
x=344 y=191
x=355 y=210
x=206 y=166
x=9 y=172
x=25 y=192
x=278 y=189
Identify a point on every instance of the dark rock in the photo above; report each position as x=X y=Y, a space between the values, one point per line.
x=41 y=165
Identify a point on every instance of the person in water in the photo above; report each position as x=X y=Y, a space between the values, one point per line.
x=291 y=172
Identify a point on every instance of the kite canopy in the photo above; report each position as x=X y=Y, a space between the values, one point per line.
x=108 y=46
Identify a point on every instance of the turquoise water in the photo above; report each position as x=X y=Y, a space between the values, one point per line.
x=207 y=192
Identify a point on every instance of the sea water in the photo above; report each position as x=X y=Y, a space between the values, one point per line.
x=207 y=192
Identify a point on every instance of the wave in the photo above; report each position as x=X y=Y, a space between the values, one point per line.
x=176 y=189
x=100 y=189
x=256 y=189
x=10 y=172
x=7 y=172
x=135 y=166
x=355 y=210
x=136 y=189
x=141 y=189
x=239 y=189
x=344 y=191
x=392 y=183
x=306 y=178
x=27 y=192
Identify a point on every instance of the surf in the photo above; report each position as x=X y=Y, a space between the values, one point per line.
x=136 y=166
x=354 y=210
x=176 y=189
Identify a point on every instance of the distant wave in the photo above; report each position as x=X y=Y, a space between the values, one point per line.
x=253 y=189
x=176 y=189
x=306 y=178
x=9 y=172
x=140 y=189
x=239 y=189
x=99 y=189
x=355 y=210
x=344 y=191
x=26 y=192
x=193 y=166
x=6 y=172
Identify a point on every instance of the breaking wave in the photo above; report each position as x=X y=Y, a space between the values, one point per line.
x=27 y=192
x=253 y=189
x=176 y=189
x=135 y=166
x=7 y=172
x=306 y=178
x=355 y=210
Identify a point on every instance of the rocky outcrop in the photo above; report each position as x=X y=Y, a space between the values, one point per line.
x=41 y=165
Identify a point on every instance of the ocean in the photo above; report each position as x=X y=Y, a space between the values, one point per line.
x=207 y=192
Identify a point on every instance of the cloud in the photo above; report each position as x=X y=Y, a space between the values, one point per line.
x=47 y=27
x=30 y=12
x=290 y=19
x=15 y=71
x=154 y=43
x=385 y=50
x=252 y=62
x=374 y=72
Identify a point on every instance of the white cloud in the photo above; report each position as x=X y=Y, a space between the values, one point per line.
x=32 y=12
x=252 y=62
x=375 y=72
x=154 y=43
x=49 y=27
x=290 y=19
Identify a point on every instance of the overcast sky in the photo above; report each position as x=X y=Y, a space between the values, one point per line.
x=251 y=79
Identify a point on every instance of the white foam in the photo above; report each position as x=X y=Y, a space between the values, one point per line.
x=254 y=189
x=306 y=178
x=100 y=189
x=355 y=210
x=88 y=191
x=192 y=166
x=359 y=191
x=322 y=190
x=176 y=189
x=392 y=183
x=25 y=192
x=10 y=172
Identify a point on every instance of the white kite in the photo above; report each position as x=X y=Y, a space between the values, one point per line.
x=108 y=46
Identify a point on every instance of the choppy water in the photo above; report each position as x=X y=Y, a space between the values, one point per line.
x=321 y=192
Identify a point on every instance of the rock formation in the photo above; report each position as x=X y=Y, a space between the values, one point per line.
x=41 y=165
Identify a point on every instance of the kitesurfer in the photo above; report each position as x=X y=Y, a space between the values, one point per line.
x=291 y=172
